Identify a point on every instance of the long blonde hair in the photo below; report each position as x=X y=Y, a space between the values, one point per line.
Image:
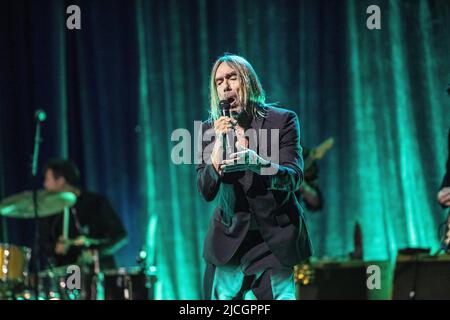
x=253 y=98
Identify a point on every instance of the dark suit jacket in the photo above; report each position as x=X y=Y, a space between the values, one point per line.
x=269 y=198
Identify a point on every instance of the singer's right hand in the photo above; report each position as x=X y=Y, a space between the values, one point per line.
x=61 y=246
x=221 y=126
x=224 y=125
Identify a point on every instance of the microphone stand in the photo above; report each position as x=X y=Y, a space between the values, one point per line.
x=34 y=172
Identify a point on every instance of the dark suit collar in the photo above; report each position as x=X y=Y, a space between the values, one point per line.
x=258 y=121
x=256 y=124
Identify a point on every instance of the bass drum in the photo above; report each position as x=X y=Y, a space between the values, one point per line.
x=14 y=263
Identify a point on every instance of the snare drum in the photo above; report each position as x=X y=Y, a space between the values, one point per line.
x=14 y=262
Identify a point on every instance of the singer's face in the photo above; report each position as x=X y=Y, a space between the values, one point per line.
x=228 y=85
x=53 y=184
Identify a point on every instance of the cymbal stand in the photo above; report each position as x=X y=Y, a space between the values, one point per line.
x=34 y=174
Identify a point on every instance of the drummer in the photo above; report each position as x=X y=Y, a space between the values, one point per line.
x=93 y=224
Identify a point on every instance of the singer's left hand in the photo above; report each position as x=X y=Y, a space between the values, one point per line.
x=244 y=159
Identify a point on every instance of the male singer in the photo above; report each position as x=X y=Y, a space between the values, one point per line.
x=257 y=232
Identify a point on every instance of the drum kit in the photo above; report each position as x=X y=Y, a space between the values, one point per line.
x=16 y=280
x=18 y=283
x=15 y=260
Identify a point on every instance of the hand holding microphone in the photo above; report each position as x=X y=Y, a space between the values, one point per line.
x=225 y=123
x=223 y=127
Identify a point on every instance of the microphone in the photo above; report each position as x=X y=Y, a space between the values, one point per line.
x=224 y=107
x=40 y=115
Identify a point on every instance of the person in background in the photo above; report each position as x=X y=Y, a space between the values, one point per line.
x=94 y=226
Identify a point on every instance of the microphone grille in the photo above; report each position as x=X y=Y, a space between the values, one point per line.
x=224 y=105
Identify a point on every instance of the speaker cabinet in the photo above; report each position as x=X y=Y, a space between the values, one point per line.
x=332 y=281
x=421 y=277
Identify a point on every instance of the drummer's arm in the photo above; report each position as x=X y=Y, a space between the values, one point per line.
x=112 y=248
x=106 y=246
x=115 y=236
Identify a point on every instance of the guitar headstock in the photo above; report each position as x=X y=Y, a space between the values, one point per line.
x=320 y=150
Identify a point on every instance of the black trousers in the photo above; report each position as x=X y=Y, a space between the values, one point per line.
x=253 y=269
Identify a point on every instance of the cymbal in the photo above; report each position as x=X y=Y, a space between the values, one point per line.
x=49 y=203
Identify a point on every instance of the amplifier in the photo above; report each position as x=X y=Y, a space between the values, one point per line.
x=331 y=280
x=422 y=277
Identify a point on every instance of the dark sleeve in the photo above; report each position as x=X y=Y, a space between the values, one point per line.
x=289 y=171
x=208 y=180
x=110 y=229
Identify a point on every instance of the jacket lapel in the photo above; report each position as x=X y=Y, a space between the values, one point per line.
x=256 y=124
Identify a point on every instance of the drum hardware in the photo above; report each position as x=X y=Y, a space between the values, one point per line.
x=39 y=118
x=129 y=284
x=97 y=282
x=53 y=284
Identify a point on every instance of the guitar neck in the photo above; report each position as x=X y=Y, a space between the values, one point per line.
x=309 y=161
x=317 y=153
